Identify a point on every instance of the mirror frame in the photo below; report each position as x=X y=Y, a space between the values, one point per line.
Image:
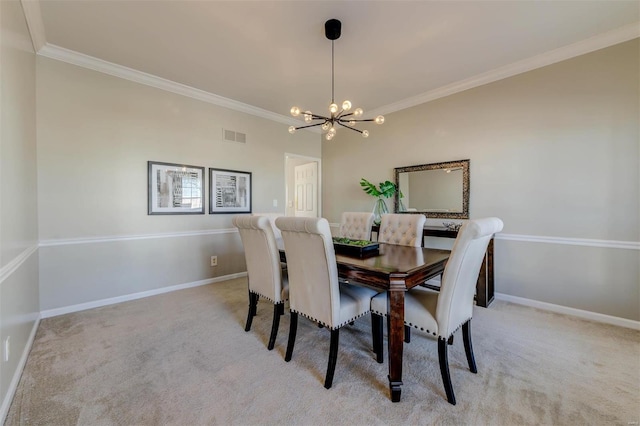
x=435 y=166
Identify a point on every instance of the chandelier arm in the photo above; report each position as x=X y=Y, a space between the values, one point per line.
x=319 y=117
x=310 y=125
x=349 y=127
x=342 y=119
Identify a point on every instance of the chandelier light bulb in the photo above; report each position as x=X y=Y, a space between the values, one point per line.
x=325 y=125
x=352 y=123
x=346 y=105
x=333 y=108
x=379 y=119
x=307 y=118
x=365 y=133
x=292 y=129
x=358 y=112
x=332 y=131
x=329 y=136
x=295 y=111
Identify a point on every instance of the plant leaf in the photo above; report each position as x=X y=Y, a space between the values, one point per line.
x=387 y=189
x=369 y=188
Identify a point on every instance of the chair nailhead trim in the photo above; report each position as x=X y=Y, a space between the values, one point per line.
x=422 y=329
x=326 y=325
x=269 y=299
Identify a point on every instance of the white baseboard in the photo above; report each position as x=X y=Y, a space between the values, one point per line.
x=593 y=316
x=119 y=299
x=11 y=391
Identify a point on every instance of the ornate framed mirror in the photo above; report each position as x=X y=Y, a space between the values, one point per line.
x=437 y=190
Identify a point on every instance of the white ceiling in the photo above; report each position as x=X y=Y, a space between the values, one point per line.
x=271 y=55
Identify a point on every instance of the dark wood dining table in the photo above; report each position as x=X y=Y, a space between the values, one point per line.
x=394 y=269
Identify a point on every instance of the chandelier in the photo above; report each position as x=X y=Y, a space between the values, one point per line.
x=339 y=117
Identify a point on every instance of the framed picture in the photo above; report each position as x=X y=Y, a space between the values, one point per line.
x=175 y=188
x=229 y=191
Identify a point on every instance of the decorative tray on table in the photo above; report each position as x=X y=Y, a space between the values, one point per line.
x=359 y=248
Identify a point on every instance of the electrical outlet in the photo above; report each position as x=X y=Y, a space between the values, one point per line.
x=214 y=260
x=6 y=349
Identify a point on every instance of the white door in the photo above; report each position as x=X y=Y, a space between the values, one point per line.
x=306 y=184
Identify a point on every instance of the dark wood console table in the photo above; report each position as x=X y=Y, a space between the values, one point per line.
x=484 y=286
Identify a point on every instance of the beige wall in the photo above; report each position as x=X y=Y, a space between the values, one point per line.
x=18 y=202
x=554 y=152
x=96 y=134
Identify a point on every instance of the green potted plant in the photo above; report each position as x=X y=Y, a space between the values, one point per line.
x=386 y=189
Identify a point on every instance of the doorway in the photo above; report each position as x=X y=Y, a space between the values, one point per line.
x=303 y=180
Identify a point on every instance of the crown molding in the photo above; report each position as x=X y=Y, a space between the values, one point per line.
x=610 y=38
x=36 y=28
x=33 y=16
x=72 y=57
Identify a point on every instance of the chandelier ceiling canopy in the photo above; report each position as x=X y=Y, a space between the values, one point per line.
x=338 y=116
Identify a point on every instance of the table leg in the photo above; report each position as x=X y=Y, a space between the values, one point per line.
x=395 y=332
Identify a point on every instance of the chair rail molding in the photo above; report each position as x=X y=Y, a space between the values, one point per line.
x=627 y=245
x=114 y=238
x=16 y=262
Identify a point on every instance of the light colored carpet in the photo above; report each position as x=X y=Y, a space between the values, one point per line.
x=184 y=358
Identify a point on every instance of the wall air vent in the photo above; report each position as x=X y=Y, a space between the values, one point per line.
x=231 y=136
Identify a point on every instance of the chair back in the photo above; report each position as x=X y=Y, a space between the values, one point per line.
x=356 y=225
x=402 y=229
x=272 y=220
x=458 y=286
x=313 y=272
x=262 y=256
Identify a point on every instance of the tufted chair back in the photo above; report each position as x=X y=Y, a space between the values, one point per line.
x=356 y=225
x=455 y=302
x=402 y=229
x=263 y=258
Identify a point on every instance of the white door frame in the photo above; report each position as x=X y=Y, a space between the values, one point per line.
x=288 y=155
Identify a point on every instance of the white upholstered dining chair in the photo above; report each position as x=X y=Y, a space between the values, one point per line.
x=266 y=277
x=314 y=290
x=356 y=225
x=441 y=314
x=402 y=229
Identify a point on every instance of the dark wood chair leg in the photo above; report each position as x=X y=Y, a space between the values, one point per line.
x=377 y=334
x=333 y=358
x=253 y=302
x=274 y=325
x=444 y=370
x=293 y=327
x=280 y=308
x=450 y=340
x=407 y=334
x=468 y=348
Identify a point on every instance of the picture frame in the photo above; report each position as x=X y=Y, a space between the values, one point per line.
x=229 y=191
x=175 y=188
